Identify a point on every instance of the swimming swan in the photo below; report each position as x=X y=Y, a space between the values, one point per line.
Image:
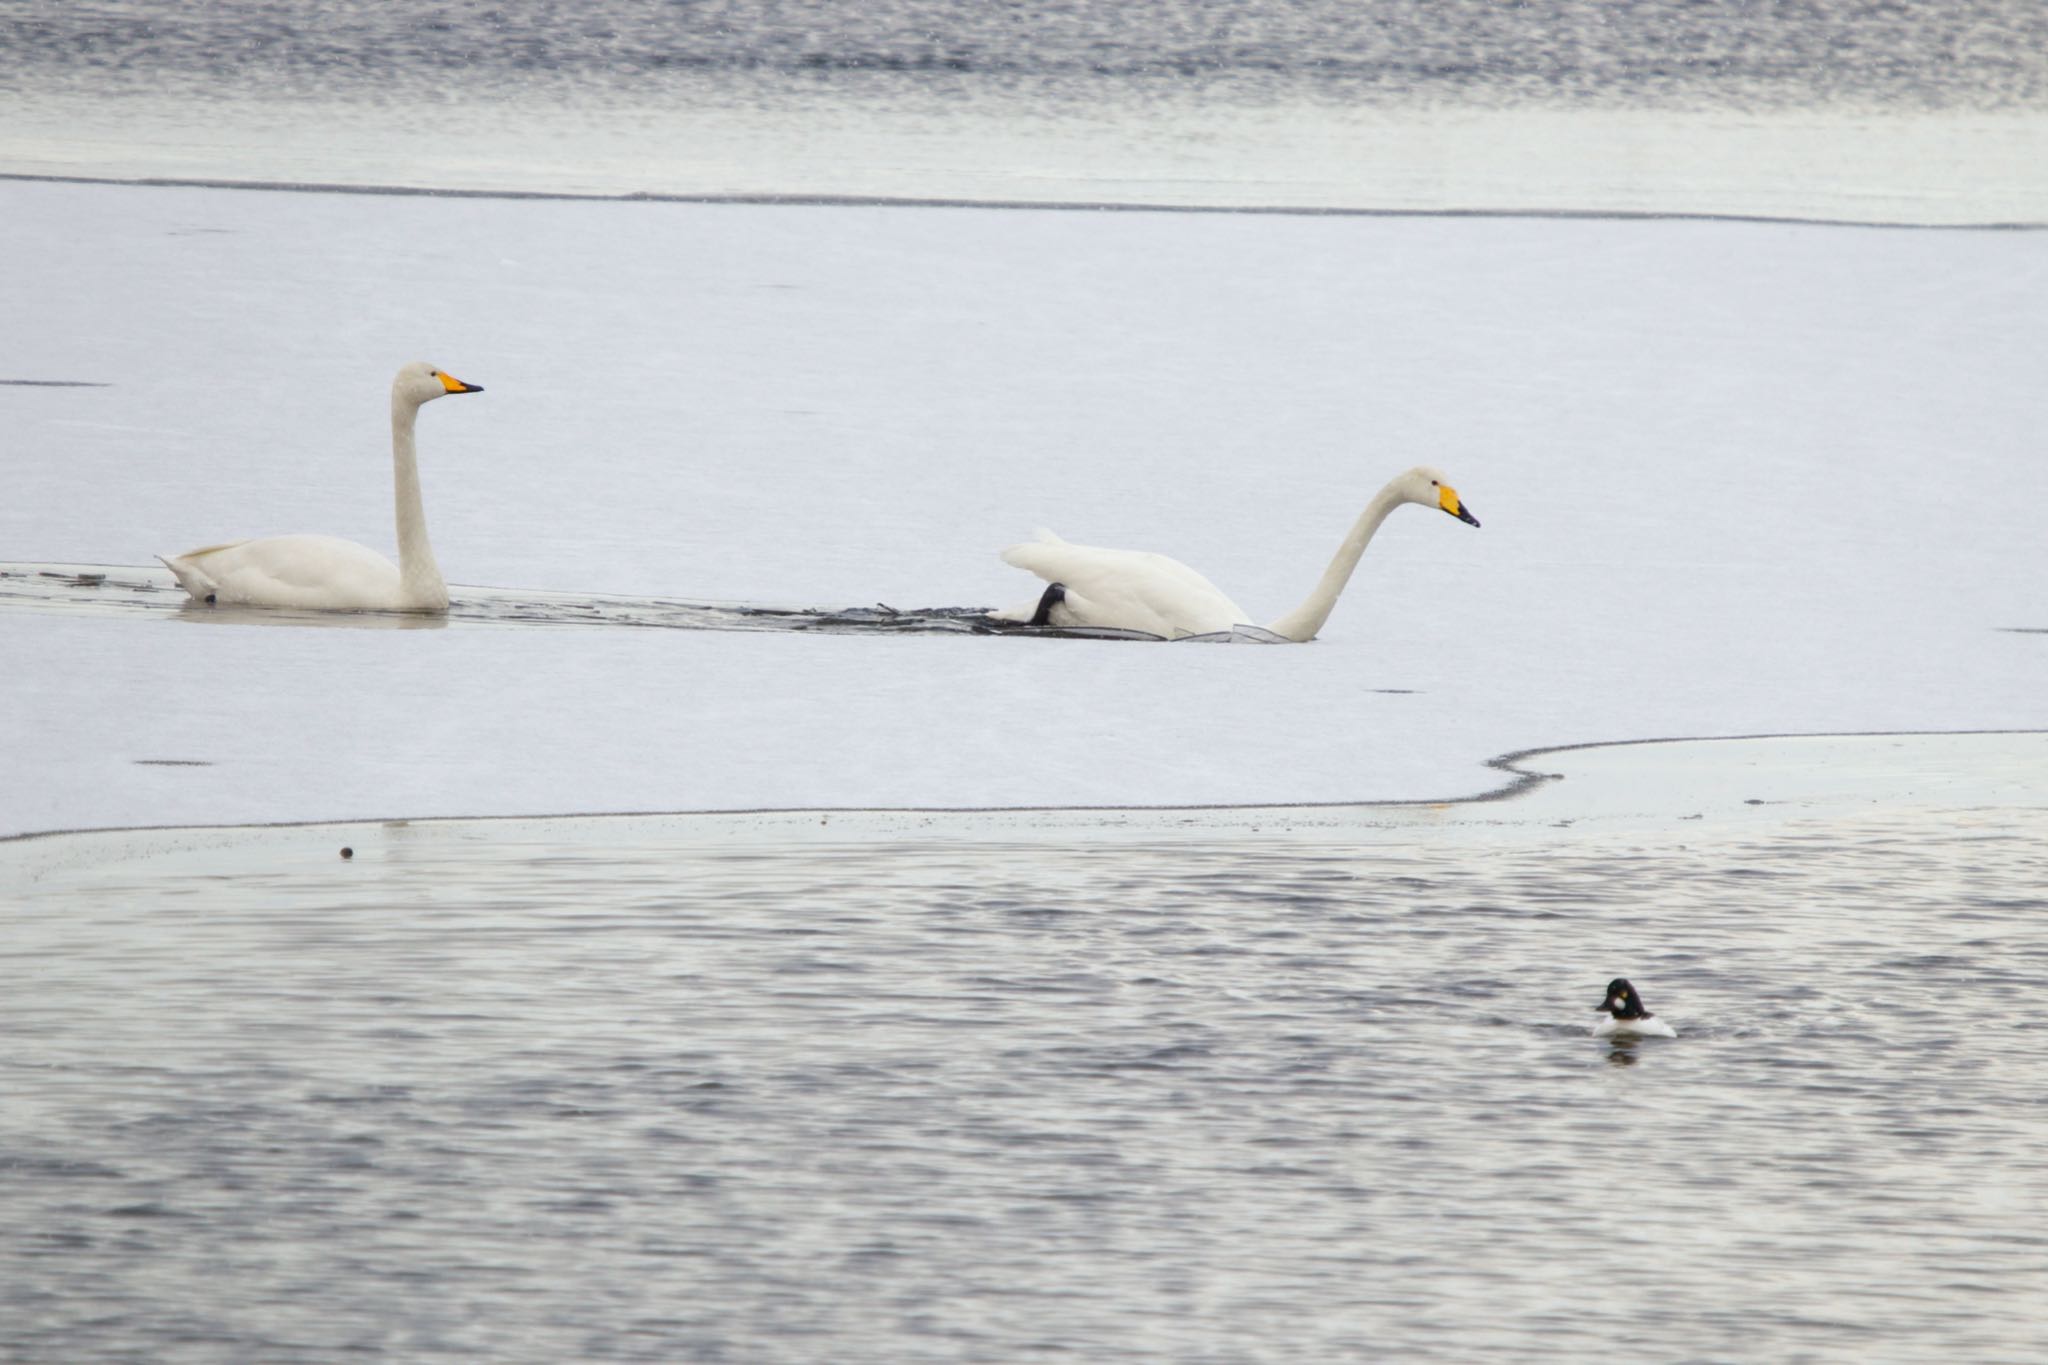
x=326 y=573
x=1133 y=590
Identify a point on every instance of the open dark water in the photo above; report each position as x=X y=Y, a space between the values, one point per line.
x=605 y=1091
x=1977 y=54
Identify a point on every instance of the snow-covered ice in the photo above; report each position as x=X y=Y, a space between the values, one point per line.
x=1735 y=478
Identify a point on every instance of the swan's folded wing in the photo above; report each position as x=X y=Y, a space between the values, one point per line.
x=1168 y=570
x=193 y=556
x=1129 y=589
x=289 y=571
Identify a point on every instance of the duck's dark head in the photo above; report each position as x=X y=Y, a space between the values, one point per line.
x=1622 y=1001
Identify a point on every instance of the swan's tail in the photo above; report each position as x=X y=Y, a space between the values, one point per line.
x=1031 y=555
x=185 y=568
x=1028 y=554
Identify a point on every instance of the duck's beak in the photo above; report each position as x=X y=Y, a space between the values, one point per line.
x=454 y=385
x=1447 y=498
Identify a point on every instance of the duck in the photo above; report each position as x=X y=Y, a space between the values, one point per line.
x=327 y=573
x=1626 y=1017
x=1091 y=587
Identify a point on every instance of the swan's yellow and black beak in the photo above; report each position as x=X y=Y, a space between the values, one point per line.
x=454 y=385
x=1447 y=498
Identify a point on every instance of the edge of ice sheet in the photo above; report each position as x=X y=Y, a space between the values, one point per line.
x=1613 y=786
x=1072 y=205
x=1838 y=163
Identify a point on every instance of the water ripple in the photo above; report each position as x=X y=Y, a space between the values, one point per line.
x=540 y=1097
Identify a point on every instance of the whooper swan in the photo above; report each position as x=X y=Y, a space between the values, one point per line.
x=326 y=573
x=1134 y=590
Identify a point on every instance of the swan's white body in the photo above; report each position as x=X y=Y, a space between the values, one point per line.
x=326 y=573
x=1134 y=590
x=1123 y=590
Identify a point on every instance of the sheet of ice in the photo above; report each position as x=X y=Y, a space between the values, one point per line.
x=1952 y=166
x=1735 y=479
x=1682 y=792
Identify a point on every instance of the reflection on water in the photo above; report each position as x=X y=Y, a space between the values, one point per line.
x=117 y=590
x=196 y=613
x=601 y=1090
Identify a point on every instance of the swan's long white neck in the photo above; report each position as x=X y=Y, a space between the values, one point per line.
x=419 y=577
x=1304 y=621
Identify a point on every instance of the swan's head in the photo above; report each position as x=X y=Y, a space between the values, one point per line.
x=1428 y=487
x=420 y=382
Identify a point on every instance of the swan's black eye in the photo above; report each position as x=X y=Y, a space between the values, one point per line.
x=1434 y=484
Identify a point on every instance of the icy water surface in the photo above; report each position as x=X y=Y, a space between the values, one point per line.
x=1969 y=53
x=611 y=1090
x=135 y=593
x=1853 y=110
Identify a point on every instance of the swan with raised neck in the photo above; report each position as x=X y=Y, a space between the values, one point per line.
x=327 y=573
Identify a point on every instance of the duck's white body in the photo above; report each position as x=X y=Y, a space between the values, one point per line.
x=327 y=573
x=1134 y=590
x=1648 y=1027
